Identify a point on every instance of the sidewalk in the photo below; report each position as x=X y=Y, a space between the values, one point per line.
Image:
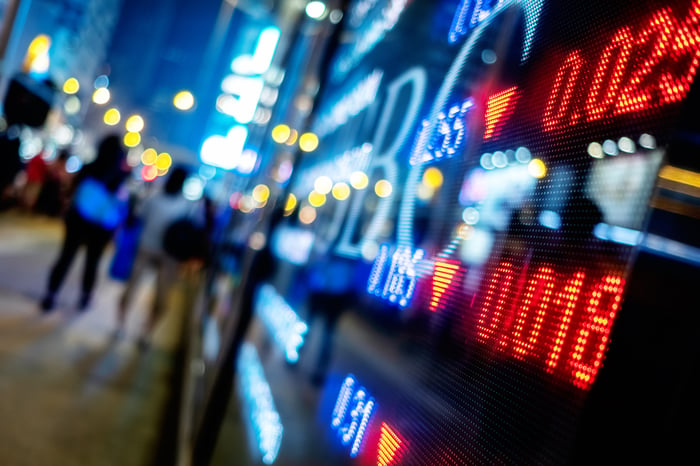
x=70 y=394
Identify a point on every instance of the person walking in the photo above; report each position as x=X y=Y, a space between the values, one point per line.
x=158 y=212
x=97 y=207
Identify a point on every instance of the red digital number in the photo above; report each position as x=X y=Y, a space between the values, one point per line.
x=592 y=336
x=566 y=301
x=611 y=68
x=531 y=313
x=551 y=323
x=558 y=105
x=686 y=46
x=655 y=41
x=495 y=302
x=635 y=71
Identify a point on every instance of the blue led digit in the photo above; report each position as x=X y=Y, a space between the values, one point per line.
x=351 y=414
x=401 y=280
x=395 y=280
x=377 y=275
x=447 y=138
x=341 y=405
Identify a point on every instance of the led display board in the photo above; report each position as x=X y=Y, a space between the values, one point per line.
x=505 y=224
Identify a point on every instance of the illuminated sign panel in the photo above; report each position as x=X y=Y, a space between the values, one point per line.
x=492 y=298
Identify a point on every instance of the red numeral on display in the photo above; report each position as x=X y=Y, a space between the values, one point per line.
x=559 y=102
x=637 y=94
x=686 y=46
x=635 y=71
x=566 y=303
x=611 y=67
x=592 y=337
x=495 y=302
x=531 y=313
x=551 y=323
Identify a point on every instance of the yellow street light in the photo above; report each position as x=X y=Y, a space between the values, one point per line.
x=71 y=86
x=134 y=124
x=183 y=100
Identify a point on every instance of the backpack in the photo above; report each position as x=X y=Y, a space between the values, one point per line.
x=184 y=239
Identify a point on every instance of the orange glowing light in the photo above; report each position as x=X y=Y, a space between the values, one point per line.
x=390 y=445
x=443 y=277
x=498 y=109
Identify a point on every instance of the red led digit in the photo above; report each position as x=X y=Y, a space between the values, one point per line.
x=559 y=101
x=443 y=276
x=637 y=93
x=685 y=45
x=494 y=306
x=592 y=337
x=611 y=68
x=565 y=302
x=498 y=109
x=531 y=313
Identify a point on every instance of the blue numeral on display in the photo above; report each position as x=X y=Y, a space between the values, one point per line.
x=351 y=414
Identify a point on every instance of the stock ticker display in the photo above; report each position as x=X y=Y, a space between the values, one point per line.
x=480 y=196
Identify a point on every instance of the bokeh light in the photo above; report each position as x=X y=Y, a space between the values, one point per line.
x=149 y=172
x=71 y=86
x=316 y=199
x=323 y=184
x=101 y=81
x=383 y=188
x=537 y=168
x=101 y=96
x=132 y=139
x=163 y=161
x=293 y=136
x=308 y=142
x=341 y=191
x=307 y=215
x=261 y=193
x=281 y=133
x=72 y=105
x=149 y=156
x=290 y=204
x=315 y=9
x=432 y=177
x=359 y=180
x=112 y=117
x=134 y=123
x=183 y=100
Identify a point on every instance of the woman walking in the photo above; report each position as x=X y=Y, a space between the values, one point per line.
x=96 y=210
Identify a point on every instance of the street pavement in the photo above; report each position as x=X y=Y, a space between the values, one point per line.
x=71 y=393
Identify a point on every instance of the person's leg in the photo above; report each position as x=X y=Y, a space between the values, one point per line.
x=166 y=276
x=71 y=242
x=96 y=245
x=140 y=264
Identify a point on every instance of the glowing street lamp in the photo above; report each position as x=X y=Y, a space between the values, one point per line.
x=315 y=9
x=183 y=100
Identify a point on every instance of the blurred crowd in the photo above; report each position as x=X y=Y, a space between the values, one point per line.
x=150 y=226
x=40 y=185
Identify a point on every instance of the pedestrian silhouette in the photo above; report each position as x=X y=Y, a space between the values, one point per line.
x=158 y=212
x=97 y=207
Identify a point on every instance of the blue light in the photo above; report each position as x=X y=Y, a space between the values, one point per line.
x=285 y=326
x=471 y=13
x=550 y=219
x=448 y=134
x=257 y=400
x=616 y=234
x=224 y=151
x=395 y=280
x=351 y=414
